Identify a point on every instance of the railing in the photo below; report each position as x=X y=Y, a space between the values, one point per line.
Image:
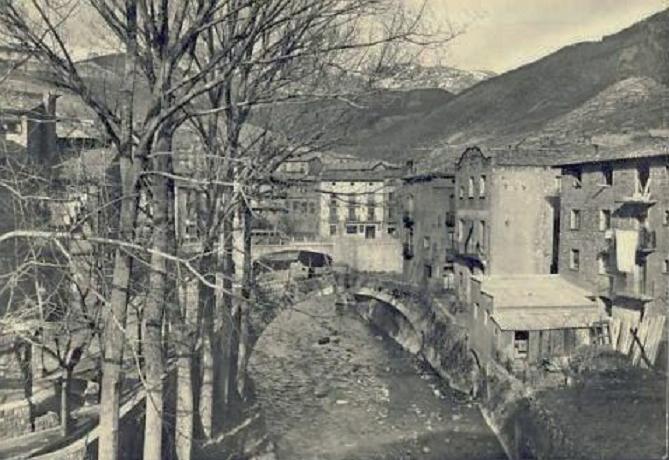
x=640 y=196
x=647 y=240
x=624 y=286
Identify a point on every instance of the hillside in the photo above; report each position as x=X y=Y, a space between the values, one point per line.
x=409 y=76
x=523 y=102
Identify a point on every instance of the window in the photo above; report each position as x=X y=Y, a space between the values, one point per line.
x=428 y=271
x=13 y=127
x=575 y=219
x=575 y=259
x=520 y=344
x=391 y=230
x=461 y=230
x=333 y=230
x=470 y=188
x=475 y=310
x=462 y=192
x=371 y=208
x=426 y=243
x=604 y=220
x=485 y=317
x=576 y=173
x=601 y=264
x=351 y=211
x=607 y=173
x=665 y=266
x=312 y=207
x=665 y=219
x=558 y=184
x=351 y=229
x=482 y=187
x=482 y=234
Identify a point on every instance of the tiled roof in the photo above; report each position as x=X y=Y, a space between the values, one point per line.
x=594 y=154
x=534 y=291
x=361 y=175
x=539 y=302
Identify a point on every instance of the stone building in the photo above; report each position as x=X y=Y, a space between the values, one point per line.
x=505 y=221
x=614 y=237
x=355 y=198
x=427 y=202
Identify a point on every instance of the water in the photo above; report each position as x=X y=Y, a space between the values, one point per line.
x=357 y=395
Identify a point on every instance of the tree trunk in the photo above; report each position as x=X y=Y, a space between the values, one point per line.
x=224 y=310
x=234 y=316
x=65 y=419
x=114 y=323
x=245 y=304
x=185 y=402
x=154 y=309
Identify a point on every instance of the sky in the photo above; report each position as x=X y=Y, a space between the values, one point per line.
x=500 y=35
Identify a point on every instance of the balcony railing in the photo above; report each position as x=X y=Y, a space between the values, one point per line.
x=647 y=241
x=624 y=287
x=641 y=196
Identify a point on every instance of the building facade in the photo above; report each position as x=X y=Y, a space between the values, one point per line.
x=614 y=237
x=357 y=201
x=506 y=218
x=427 y=204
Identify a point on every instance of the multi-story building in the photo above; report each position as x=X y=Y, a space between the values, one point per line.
x=505 y=220
x=614 y=238
x=356 y=197
x=427 y=202
x=507 y=224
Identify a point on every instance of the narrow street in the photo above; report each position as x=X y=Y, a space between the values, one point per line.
x=332 y=388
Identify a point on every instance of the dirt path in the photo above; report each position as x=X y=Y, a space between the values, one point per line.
x=332 y=389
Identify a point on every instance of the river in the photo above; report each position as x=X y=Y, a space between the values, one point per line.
x=333 y=388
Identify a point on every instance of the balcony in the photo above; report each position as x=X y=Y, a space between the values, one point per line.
x=471 y=252
x=407 y=218
x=407 y=251
x=647 y=241
x=640 y=198
x=620 y=289
x=450 y=219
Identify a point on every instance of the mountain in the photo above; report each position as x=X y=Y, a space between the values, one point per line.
x=560 y=88
x=412 y=76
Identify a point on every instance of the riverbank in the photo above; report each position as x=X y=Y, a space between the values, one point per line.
x=332 y=388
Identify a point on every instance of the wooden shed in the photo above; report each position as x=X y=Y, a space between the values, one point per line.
x=531 y=317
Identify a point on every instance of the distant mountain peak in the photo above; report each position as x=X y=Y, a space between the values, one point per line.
x=416 y=76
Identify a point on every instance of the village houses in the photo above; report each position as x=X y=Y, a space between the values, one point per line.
x=427 y=202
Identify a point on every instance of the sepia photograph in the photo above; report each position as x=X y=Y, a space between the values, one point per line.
x=334 y=229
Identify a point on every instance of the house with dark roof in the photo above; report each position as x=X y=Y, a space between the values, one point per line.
x=614 y=229
x=356 y=197
x=426 y=200
x=506 y=216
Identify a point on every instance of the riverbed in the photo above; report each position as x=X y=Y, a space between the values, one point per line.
x=332 y=388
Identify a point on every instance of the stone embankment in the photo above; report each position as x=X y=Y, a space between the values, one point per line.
x=597 y=406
